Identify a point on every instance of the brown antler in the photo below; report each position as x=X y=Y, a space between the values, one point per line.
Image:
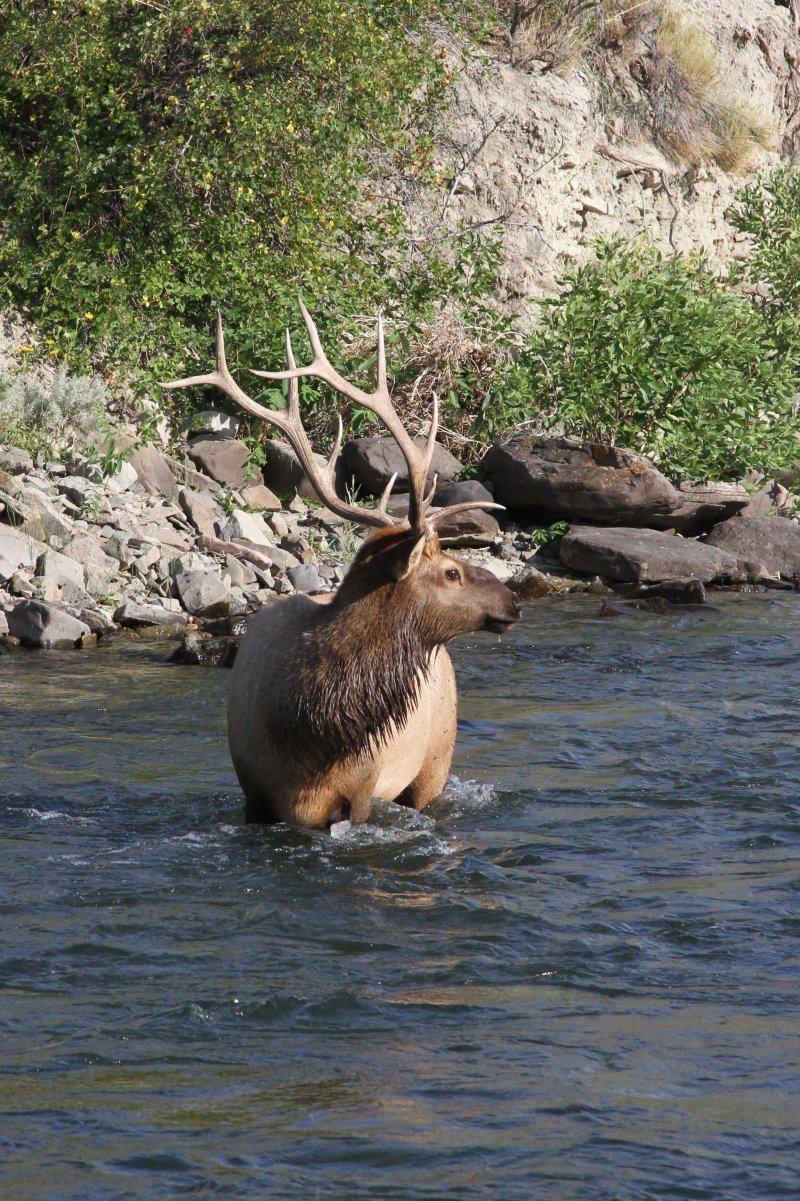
x=418 y=460
x=289 y=423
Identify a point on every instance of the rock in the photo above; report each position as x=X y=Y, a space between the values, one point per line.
x=38 y=624
x=202 y=650
x=135 y=617
x=98 y=566
x=373 y=461
x=153 y=471
x=529 y=584
x=42 y=519
x=656 y=604
x=213 y=421
x=283 y=471
x=573 y=479
x=122 y=480
x=677 y=592
x=633 y=554
x=9 y=484
x=21 y=584
x=191 y=478
x=473 y=527
x=202 y=594
x=259 y=496
x=15 y=551
x=251 y=527
x=15 y=460
x=305 y=578
x=462 y=492
x=3 y=623
x=704 y=505
x=769 y=543
x=223 y=458
x=765 y=503
x=79 y=490
x=100 y=625
x=60 y=569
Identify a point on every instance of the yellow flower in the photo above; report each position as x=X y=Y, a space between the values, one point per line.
x=89 y=316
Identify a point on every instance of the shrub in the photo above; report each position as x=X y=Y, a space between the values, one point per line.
x=769 y=211
x=160 y=161
x=654 y=354
x=72 y=408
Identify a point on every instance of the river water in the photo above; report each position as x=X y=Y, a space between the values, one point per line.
x=575 y=978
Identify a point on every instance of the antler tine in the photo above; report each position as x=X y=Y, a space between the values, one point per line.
x=378 y=402
x=439 y=515
x=221 y=378
x=290 y=424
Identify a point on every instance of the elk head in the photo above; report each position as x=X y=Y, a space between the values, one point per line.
x=404 y=560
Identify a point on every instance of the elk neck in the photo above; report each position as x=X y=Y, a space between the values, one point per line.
x=359 y=669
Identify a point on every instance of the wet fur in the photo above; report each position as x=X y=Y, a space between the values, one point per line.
x=332 y=704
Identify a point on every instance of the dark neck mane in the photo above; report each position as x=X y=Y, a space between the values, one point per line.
x=358 y=671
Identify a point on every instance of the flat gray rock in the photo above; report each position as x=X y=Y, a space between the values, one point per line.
x=633 y=555
x=136 y=617
x=201 y=509
x=15 y=551
x=373 y=462
x=224 y=459
x=763 y=546
x=306 y=578
x=39 y=624
x=574 y=479
x=703 y=505
x=153 y=470
x=202 y=594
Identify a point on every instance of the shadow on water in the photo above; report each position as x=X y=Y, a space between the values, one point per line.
x=574 y=976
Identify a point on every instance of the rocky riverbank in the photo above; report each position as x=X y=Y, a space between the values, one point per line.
x=190 y=543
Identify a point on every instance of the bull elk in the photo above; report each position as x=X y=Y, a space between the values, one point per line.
x=338 y=699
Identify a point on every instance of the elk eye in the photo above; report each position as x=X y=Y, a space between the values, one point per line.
x=452 y=573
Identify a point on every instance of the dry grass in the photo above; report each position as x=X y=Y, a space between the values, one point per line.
x=692 y=115
x=552 y=33
x=681 y=100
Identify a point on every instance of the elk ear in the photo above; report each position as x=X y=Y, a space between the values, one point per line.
x=406 y=557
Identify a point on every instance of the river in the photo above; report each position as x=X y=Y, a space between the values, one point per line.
x=574 y=978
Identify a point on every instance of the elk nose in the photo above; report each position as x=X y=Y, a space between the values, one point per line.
x=516 y=607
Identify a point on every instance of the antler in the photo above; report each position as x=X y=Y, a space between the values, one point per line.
x=418 y=459
x=289 y=423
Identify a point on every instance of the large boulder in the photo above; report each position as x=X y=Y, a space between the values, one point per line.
x=153 y=470
x=763 y=546
x=251 y=527
x=136 y=617
x=634 y=554
x=223 y=459
x=202 y=594
x=15 y=551
x=38 y=624
x=473 y=527
x=373 y=462
x=201 y=509
x=704 y=505
x=573 y=479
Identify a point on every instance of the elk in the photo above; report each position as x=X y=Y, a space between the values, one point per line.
x=339 y=699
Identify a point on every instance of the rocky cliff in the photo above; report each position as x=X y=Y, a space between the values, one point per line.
x=558 y=145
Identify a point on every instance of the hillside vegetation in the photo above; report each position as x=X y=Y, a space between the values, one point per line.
x=160 y=162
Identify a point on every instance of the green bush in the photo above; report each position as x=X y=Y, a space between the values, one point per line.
x=769 y=211
x=656 y=355
x=70 y=410
x=161 y=161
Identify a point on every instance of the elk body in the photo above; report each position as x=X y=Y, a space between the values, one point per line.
x=343 y=698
